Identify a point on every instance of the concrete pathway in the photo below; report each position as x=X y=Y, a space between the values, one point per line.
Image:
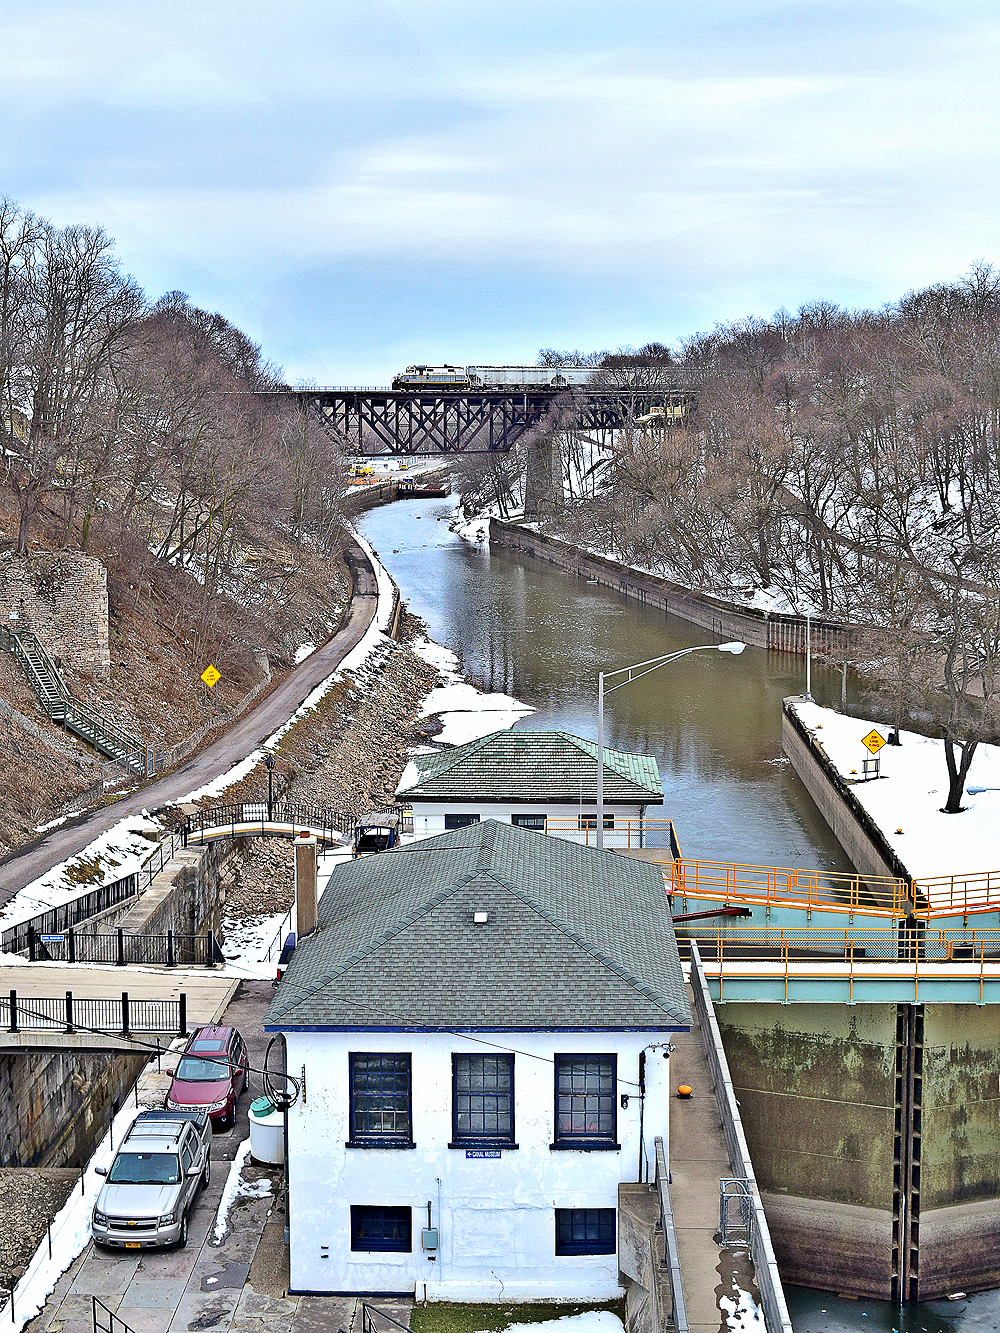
x=27 y=863
x=698 y=1161
x=238 y=1283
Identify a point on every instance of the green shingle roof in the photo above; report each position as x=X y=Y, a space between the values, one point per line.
x=576 y=938
x=529 y=767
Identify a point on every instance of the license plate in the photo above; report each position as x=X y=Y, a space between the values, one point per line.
x=133 y=1245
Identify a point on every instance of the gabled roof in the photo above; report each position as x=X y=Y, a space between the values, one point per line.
x=576 y=938
x=530 y=767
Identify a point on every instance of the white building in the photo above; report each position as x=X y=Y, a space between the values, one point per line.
x=480 y=1023
x=544 y=780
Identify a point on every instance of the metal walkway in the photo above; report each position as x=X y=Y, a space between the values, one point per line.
x=61 y=707
x=261 y=819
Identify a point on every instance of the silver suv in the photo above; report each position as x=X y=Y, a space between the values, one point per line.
x=151 y=1185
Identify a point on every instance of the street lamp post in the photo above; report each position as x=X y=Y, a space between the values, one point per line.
x=269 y=765
x=640 y=669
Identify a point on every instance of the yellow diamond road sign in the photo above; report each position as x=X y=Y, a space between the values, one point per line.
x=873 y=741
x=210 y=676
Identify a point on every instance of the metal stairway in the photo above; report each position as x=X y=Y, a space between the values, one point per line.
x=60 y=706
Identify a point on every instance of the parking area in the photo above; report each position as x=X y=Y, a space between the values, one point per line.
x=233 y=1273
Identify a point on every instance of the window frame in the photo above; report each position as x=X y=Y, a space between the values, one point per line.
x=586 y=1142
x=567 y=1248
x=467 y=819
x=384 y=1139
x=383 y=1245
x=479 y=1140
x=588 y=823
x=536 y=820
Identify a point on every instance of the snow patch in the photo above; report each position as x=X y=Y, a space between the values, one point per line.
x=910 y=792
x=233 y=775
x=743 y=1315
x=230 y=1191
x=303 y=651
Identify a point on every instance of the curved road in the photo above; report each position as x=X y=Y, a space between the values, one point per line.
x=27 y=863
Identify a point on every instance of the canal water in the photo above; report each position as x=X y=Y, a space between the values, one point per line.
x=713 y=722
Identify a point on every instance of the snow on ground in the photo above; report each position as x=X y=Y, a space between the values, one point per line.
x=232 y=775
x=230 y=1190
x=303 y=651
x=71 y=1225
x=743 y=1314
x=592 y=1321
x=119 y=851
x=467 y=713
x=910 y=792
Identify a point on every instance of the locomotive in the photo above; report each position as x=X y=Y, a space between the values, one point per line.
x=463 y=378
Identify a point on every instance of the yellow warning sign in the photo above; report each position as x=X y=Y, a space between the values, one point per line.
x=210 y=676
x=873 y=741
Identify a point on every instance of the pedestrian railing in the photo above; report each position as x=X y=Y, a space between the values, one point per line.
x=121 y=947
x=772 y=1296
x=69 y=1013
x=106 y=1321
x=677 y=1315
x=274 y=819
x=61 y=919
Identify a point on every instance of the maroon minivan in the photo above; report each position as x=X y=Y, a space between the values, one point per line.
x=211 y=1075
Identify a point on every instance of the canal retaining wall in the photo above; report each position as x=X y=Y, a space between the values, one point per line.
x=56 y=1107
x=728 y=620
x=862 y=840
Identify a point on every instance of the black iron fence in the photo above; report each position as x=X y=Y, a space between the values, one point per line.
x=285 y=818
x=71 y=1013
x=121 y=947
x=106 y=1321
x=61 y=919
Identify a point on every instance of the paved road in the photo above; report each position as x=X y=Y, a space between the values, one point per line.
x=27 y=863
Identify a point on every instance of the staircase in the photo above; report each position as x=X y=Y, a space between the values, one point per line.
x=60 y=706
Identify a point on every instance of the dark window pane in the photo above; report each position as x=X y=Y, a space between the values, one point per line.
x=381 y=1228
x=585 y=1096
x=528 y=821
x=585 y=1231
x=380 y=1095
x=484 y=1096
x=460 y=821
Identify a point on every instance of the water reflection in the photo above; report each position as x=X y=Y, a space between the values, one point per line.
x=711 y=720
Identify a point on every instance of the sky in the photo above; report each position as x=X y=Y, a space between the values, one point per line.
x=360 y=186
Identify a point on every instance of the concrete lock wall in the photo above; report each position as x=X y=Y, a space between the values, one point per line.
x=815 y=1085
x=62 y=596
x=960 y=1150
x=55 y=1108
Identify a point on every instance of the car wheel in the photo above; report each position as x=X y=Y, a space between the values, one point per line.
x=182 y=1239
x=206 y=1175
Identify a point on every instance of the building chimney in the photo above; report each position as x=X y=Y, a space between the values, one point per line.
x=305 y=884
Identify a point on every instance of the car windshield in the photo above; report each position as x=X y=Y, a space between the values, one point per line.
x=193 y=1069
x=145 y=1168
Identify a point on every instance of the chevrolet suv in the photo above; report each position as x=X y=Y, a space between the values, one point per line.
x=153 y=1181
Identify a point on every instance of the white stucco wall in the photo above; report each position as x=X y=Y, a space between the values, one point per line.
x=496 y=1218
x=428 y=819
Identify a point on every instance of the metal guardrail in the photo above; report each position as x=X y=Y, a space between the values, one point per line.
x=930 y=944
x=788 y=886
x=772 y=1297
x=285 y=819
x=120 y=948
x=106 y=1321
x=69 y=1013
x=671 y=1257
x=60 y=919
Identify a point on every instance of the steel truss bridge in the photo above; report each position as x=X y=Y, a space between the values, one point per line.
x=386 y=421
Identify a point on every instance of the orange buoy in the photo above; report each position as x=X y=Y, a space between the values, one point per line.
x=684 y=1090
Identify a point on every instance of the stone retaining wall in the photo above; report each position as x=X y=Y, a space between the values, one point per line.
x=728 y=620
x=62 y=596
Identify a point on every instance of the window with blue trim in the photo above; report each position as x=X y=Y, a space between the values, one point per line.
x=380 y=1100
x=586 y=1116
x=381 y=1228
x=585 y=1231
x=482 y=1100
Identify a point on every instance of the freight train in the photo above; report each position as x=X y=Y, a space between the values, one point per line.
x=466 y=378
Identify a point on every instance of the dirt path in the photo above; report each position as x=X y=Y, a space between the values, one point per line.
x=27 y=863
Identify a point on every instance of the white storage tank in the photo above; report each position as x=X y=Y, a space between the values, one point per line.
x=267 y=1133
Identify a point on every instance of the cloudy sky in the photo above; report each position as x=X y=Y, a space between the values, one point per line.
x=361 y=185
